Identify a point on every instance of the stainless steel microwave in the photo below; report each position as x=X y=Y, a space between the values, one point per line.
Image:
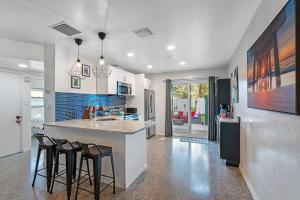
x=124 y=88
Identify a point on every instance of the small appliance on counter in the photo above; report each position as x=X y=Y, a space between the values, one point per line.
x=130 y=110
x=150 y=111
x=131 y=114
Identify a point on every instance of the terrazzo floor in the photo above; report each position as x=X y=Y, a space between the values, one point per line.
x=176 y=171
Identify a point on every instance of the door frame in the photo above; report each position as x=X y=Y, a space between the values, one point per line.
x=189 y=83
x=25 y=106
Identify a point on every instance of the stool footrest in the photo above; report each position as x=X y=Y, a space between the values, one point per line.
x=93 y=192
x=41 y=175
x=41 y=169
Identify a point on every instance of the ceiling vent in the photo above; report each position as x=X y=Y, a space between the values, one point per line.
x=65 y=29
x=143 y=32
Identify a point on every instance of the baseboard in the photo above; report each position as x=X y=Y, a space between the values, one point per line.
x=157 y=133
x=25 y=149
x=248 y=183
x=132 y=178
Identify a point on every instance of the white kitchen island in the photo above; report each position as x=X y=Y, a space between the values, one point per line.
x=127 y=139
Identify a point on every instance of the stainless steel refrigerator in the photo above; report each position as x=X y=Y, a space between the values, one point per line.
x=150 y=111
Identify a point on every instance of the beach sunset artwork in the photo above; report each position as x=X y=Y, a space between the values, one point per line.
x=271 y=71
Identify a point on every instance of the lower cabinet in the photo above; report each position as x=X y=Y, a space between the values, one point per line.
x=228 y=139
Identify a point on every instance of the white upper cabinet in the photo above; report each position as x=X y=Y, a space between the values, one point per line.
x=128 y=77
x=109 y=85
x=113 y=80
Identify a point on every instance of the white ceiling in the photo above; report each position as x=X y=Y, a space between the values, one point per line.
x=205 y=32
x=12 y=63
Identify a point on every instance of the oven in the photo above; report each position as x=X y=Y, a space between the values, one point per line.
x=124 y=88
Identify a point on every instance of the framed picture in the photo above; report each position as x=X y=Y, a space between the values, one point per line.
x=86 y=70
x=235 y=86
x=272 y=72
x=75 y=82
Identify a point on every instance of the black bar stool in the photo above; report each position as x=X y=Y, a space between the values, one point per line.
x=70 y=150
x=96 y=153
x=45 y=143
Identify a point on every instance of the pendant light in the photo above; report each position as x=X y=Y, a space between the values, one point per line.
x=77 y=66
x=101 y=69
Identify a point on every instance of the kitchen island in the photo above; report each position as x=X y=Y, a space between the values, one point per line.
x=127 y=139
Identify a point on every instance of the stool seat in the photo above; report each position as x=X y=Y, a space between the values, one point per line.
x=44 y=141
x=94 y=151
x=46 y=145
x=73 y=146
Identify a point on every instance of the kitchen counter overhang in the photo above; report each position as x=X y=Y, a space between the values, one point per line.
x=114 y=126
x=127 y=138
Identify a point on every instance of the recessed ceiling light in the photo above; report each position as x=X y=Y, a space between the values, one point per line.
x=130 y=54
x=182 y=63
x=170 y=47
x=149 y=66
x=22 y=65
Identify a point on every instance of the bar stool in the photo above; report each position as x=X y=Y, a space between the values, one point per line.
x=70 y=150
x=45 y=143
x=96 y=153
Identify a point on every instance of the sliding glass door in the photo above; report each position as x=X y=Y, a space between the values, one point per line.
x=181 y=108
x=190 y=108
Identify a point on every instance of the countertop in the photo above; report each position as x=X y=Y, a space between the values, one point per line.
x=228 y=120
x=116 y=126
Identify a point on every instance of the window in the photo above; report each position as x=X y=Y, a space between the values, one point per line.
x=37 y=98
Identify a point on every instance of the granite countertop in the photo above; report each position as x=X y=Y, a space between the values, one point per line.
x=116 y=126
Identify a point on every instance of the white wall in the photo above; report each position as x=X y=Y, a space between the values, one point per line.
x=138 y=101
x=270 y=141
x=64 y=59
x=159 y=86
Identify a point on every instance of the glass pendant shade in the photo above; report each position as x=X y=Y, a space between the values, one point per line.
x=101 y=70
x=76 y=69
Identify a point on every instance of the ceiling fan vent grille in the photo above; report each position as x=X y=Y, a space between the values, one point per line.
x=65 y=29
x=143 y=32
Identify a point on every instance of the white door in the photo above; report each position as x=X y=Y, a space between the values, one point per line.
x=10 y=107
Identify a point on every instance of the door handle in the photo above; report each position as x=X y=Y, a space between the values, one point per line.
x=18 y=119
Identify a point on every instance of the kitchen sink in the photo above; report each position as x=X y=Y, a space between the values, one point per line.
x=106 y=119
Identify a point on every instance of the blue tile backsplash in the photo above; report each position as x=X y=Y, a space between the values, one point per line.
x=71 y=105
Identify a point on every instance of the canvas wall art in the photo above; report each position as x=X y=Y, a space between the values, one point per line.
x=235 y=85
x=272 y=71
